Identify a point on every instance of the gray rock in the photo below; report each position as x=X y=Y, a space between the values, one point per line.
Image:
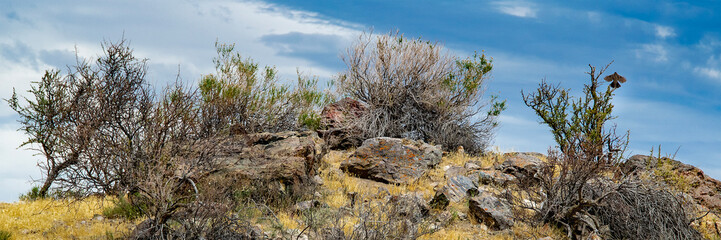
x=305 y=205
x=98 y=217
x=457 y=188
x=487 y=177
x=317 y=180
x=472 y=166
x=392 y=160
x=491 y=211
x=455 y=171
x=410 y=206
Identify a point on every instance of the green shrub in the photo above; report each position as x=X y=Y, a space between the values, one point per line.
x=32 y=195
x=243 y=97
x=5 y=235
x=122 y=208
x=581 y=183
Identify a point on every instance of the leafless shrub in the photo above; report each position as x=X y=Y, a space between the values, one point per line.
x=72 y=118
x=416 y=89
x=645 y=210
x=398 y=218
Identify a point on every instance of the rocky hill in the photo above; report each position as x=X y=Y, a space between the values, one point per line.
x=293 y=187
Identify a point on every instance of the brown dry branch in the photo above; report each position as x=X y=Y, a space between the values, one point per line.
x=416 y=89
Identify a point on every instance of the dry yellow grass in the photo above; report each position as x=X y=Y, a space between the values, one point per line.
x=60 y=219
x=337 y=185
x=709 y=226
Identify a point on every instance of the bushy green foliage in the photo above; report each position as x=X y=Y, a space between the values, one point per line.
x=578 y=123
x=122 y=208
x=243 y=97
x=32 y=195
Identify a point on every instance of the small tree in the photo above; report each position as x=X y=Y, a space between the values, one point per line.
x=72 y=118
x=580 y=187
x=416 y=89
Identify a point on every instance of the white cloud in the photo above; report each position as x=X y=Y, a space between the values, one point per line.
x=187 y=42
x=712 y=68
x=654 y=52
x=665 y=32
x=517 y=8
x=708 y=72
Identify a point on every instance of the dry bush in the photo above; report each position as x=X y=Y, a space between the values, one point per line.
x=73 y=118
x=643 y=210
x=416 y=89
x=372 y=219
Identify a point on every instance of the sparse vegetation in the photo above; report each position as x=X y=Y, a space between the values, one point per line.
x=122 y=159
x=32 y=195
x=415 y=89
x=61 y=218
x=122 y=208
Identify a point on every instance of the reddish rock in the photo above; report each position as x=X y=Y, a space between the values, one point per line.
x=338 y=113
x=337 y=119
x=521 y=165
x=705 y=190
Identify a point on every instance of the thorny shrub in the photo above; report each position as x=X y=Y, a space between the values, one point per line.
x=416 y=89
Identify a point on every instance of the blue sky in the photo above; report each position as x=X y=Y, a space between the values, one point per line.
x=670 y=51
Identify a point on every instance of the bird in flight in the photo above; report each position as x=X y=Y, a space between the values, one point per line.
x=615 y=80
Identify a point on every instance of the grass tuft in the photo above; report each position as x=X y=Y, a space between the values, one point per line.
x=5 y=235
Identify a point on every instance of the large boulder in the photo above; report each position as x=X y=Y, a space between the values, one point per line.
x=392 y=160
x=290 y=158
x=337 y=119
x=491 y=211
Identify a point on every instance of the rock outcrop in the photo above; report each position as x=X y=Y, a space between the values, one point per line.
x=291 y=158
x=457 y=188
x=705 y=190
x=392 y=160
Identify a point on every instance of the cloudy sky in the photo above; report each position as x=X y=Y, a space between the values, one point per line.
x=670 y=51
